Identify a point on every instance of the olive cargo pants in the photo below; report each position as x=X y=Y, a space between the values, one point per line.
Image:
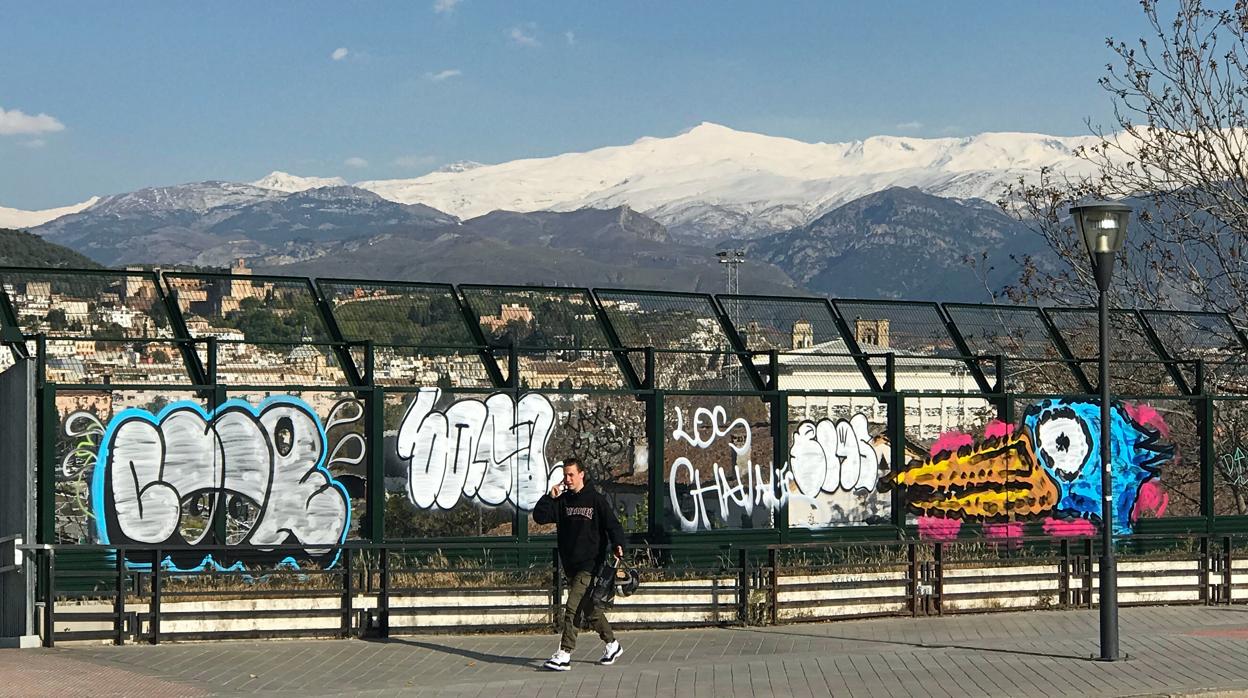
x=578 y=589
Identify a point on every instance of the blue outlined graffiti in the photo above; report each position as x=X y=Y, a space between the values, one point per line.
x=1050 y=465
x=186 y=476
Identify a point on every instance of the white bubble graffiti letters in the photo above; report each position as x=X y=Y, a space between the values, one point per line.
x=164 y=477
x=827 y=456
x=492 y=451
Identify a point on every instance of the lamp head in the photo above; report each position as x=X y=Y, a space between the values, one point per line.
x=1103 y=227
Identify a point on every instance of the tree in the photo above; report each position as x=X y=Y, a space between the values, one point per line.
x=1178 y=147
x=57 y=320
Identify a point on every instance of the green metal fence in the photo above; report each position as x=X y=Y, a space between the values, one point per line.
x=237 y=421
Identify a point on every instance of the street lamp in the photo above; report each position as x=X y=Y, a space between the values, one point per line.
x=1103 y=226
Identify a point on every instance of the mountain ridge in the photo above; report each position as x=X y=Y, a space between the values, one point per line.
x=712 y=182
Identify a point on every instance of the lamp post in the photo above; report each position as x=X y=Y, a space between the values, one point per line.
x=1103 y=226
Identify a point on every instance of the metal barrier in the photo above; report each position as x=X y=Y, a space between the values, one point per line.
x=380 y=591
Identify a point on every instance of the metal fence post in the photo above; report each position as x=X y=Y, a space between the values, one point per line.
x=119 y=603
x=743 y=586
x=157 y=579
x=913 y=577
x=383 y=603
x=773 y=562
x=1063 y=575
x=348 y=591
x=49 y=598
x=1226 y=570
x=1086 y=582
x=1205 y=570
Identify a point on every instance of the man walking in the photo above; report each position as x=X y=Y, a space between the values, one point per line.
x=585 y=523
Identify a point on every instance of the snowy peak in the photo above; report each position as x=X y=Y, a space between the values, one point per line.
x=461 y=166
x=17 y=218
x=708 y=182
x=283 y=181
x=715 y=180
x=198 y=197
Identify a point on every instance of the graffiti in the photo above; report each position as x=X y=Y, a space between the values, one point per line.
x=73 y=504
x=716 y=425
x=1235 y=467
x=839 y=464
x=491 y=452
x=259 y=474
x=1049 y=466
x=829 y=456
x=709 y=426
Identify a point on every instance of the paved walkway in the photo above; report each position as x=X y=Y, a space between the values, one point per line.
x=1173 y=651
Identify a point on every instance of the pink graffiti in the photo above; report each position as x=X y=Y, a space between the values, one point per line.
x=1151 y=501
x=951 y=441
x=1149 y=417
x=1003 y=530
x=1068 y=528
x=997 y=429
x=936 y=528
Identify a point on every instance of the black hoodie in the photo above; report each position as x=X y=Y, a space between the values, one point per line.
x=585 y=520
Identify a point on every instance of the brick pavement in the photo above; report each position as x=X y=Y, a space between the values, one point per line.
x=1174 y=651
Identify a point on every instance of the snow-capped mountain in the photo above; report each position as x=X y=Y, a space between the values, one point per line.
x=17 y=218
x=197 y=197
x=213 y=222
x=709 y=182
x=714 y=181
x=283 y=181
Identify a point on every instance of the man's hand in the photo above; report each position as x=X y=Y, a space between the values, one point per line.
x=619 y=552
x=556 y=491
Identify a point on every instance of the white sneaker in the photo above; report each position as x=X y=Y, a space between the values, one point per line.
x=559 y=661
x=610 y=653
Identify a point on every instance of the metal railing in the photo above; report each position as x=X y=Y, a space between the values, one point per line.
x=380 y=590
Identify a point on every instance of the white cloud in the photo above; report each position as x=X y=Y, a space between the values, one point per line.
x=444 y=75
x=910 y=125
x=356 y=162
x=524 y=35
x=339 y=53
x=15 y=122
x=571 y=37
x=414 y=161
x=35 y=143
x=444 y=7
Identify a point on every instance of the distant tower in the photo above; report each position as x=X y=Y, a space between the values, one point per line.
x=871 y=332
x=240 y=288
x=731 y=259
x=803 y=335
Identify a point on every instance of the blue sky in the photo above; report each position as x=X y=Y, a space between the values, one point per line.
x=101 y=98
